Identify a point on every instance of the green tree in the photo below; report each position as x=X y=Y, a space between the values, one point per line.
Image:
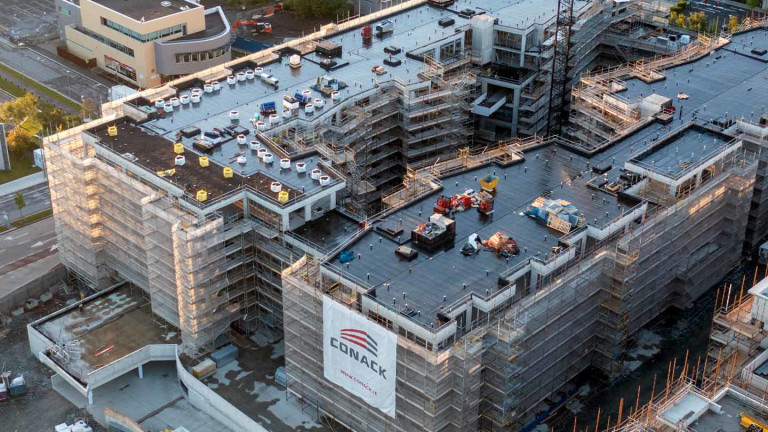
x=20 y=203
x=754 y=3
x=20 y=141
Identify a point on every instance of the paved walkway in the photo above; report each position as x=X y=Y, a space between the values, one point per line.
x=22 y=183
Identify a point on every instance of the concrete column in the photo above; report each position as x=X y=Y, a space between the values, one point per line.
x=308 y=212
x=286 y=221
x=333 y=201
x=246 y=208
x=90 y=397
x=522 y=49
x=141 y=371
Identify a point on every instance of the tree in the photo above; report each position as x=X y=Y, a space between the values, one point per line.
x=91 y=108
x=697 y=21
x=754 y=3
x=733 y=22
x=20 y=203
x=20 y=141
x=19 y=109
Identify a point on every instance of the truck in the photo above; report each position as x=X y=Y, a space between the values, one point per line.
x=303 y=98
x=290 y=103
x=268 y=108
x=385 y=26
x=269 y=79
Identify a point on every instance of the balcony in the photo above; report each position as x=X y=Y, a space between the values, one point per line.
x=486 y=106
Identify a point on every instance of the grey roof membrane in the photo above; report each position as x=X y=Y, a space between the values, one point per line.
x=732 y=83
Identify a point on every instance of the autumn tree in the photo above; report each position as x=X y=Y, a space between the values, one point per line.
x=20 y=141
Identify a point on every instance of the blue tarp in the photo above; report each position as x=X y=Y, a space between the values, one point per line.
x=249 y=45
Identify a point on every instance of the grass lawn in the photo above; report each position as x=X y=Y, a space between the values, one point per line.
x=20 y=166
x=26 y=220
x=9 y=87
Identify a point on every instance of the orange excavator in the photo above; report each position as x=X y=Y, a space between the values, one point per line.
x=258 y=27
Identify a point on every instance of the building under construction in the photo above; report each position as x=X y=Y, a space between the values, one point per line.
x=727 y=389
x=240 y=197
x=489 y=340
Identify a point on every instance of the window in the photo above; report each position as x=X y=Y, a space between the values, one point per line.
x=106 y=41
x=179 y=28
x=202 y=55
x=120 y=68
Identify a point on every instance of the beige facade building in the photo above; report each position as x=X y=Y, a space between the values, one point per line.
x=145 y=42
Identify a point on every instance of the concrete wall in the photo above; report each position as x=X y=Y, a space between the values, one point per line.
x=34 y=289
x=65 y=20
x=207 y=401
x=119 y=422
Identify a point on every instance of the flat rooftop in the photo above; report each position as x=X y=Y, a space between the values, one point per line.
x=552 y=172
x=728 y=419
x=156 y=153
x=147 y=10
x=517 y=13
x=735 y=85
x=106 y=328
x=413 y=29
x=727 y=83
x=682 y=151
x=214 y=25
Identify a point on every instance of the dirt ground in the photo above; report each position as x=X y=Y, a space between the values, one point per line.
x=42 y=407
x=285 y=25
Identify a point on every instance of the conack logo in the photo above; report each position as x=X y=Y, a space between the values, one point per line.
x=352 y=342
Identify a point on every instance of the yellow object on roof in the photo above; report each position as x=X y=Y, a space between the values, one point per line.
x=747 y=421
x=178 y=148
x=167 y=173
x=112 y=130
x=202 y=195
x=228 y=173
x=204 y=161
x=282 y=196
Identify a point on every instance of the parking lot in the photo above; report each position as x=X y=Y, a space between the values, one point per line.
x=28 y=18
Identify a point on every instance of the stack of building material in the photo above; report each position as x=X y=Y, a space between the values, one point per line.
x=204 y=369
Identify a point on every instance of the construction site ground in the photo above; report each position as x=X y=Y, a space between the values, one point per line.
x=285 y=25
x=666 y=340
x=42 y=407
x=249 y=384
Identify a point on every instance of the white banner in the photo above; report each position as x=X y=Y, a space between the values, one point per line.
x=359 y=355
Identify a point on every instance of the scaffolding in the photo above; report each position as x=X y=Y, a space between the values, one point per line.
x=600 y=116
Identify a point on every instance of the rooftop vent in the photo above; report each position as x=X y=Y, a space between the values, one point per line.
x=165 y=3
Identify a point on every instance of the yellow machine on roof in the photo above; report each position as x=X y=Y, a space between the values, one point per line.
x=751 y=424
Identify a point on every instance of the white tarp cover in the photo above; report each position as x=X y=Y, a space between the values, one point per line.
x=359 y=355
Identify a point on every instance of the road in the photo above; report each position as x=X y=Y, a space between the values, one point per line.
x=717 y=10
x=21 y=246
x=37 y=198
x=41 y=66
